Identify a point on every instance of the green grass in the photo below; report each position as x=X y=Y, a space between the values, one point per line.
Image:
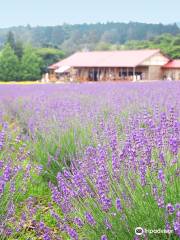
x=61 y=148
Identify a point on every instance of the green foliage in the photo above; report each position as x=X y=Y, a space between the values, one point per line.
x=19 y=62
x=11 y=40
x=9 y=64
x=30 y=65
x=63 y=146
x=17 y=46
x=71 y=38
x=168 y=43
x=49 y=56
x=19 y=49
x=24 y=65
x=103 y=46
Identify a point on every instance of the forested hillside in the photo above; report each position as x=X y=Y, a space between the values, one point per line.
x=169 y=44
x=71 y=38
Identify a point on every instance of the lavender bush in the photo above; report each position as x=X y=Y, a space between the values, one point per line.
x=117 y=187
x=16 y=174
x=109 y=156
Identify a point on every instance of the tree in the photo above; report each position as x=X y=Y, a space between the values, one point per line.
x=30 y=65
x=103 y=46
x=49 y=56
x=17 y=46
x=19 y=49
x=9 y=64
x=71 y=38
x=11 y=40
x=176 y=41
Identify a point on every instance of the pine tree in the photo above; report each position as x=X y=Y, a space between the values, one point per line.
x=9 y=64
x=30 y=65
x=17 y=46
x=19 y=49
x=11 y=40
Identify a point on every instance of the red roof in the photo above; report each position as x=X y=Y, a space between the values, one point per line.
x=173 y=64
x=125 y=58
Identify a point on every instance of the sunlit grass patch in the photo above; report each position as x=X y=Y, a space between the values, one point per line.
x=20 y=82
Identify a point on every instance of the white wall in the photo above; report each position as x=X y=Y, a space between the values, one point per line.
x=157 y=60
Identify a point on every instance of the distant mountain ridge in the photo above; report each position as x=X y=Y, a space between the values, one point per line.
x=85 y=36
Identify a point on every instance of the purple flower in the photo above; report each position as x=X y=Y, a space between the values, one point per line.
x=161 y=176
x=106 y=203
x=173 y=142
x=55 y=216
x=170 y=208
x=7 y=232
x=161 y=157
x=168 y=227
x=177 y=205
x=41 y=226
x=118 y=205
x=39 y=169
x=178 y=215
x=136 y=238
x=2 y=185
x=12 y=187
x=46 y=236
x=161 y=202
x=72 y=233
x=7 y=173
x=107 y=224
x=103 y=237
x=176 y=226
x=11 y=209
x=155 y=191
x=90 y=219
x=78 y=222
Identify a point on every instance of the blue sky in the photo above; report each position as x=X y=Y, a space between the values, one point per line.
x=54 y=12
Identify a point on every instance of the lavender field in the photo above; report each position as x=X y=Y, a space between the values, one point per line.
x=90 y=161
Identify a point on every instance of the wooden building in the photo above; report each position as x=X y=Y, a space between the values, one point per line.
x=128 y=65
x=172 y=70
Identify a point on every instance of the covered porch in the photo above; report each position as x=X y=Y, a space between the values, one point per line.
x=111 y=73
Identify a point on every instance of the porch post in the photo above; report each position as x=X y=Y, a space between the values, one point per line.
x=98 y=74
x=134 y=74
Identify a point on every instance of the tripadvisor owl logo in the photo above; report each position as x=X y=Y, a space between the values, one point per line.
x=139 y=231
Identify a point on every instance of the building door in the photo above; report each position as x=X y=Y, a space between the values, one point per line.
x=95 y=75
